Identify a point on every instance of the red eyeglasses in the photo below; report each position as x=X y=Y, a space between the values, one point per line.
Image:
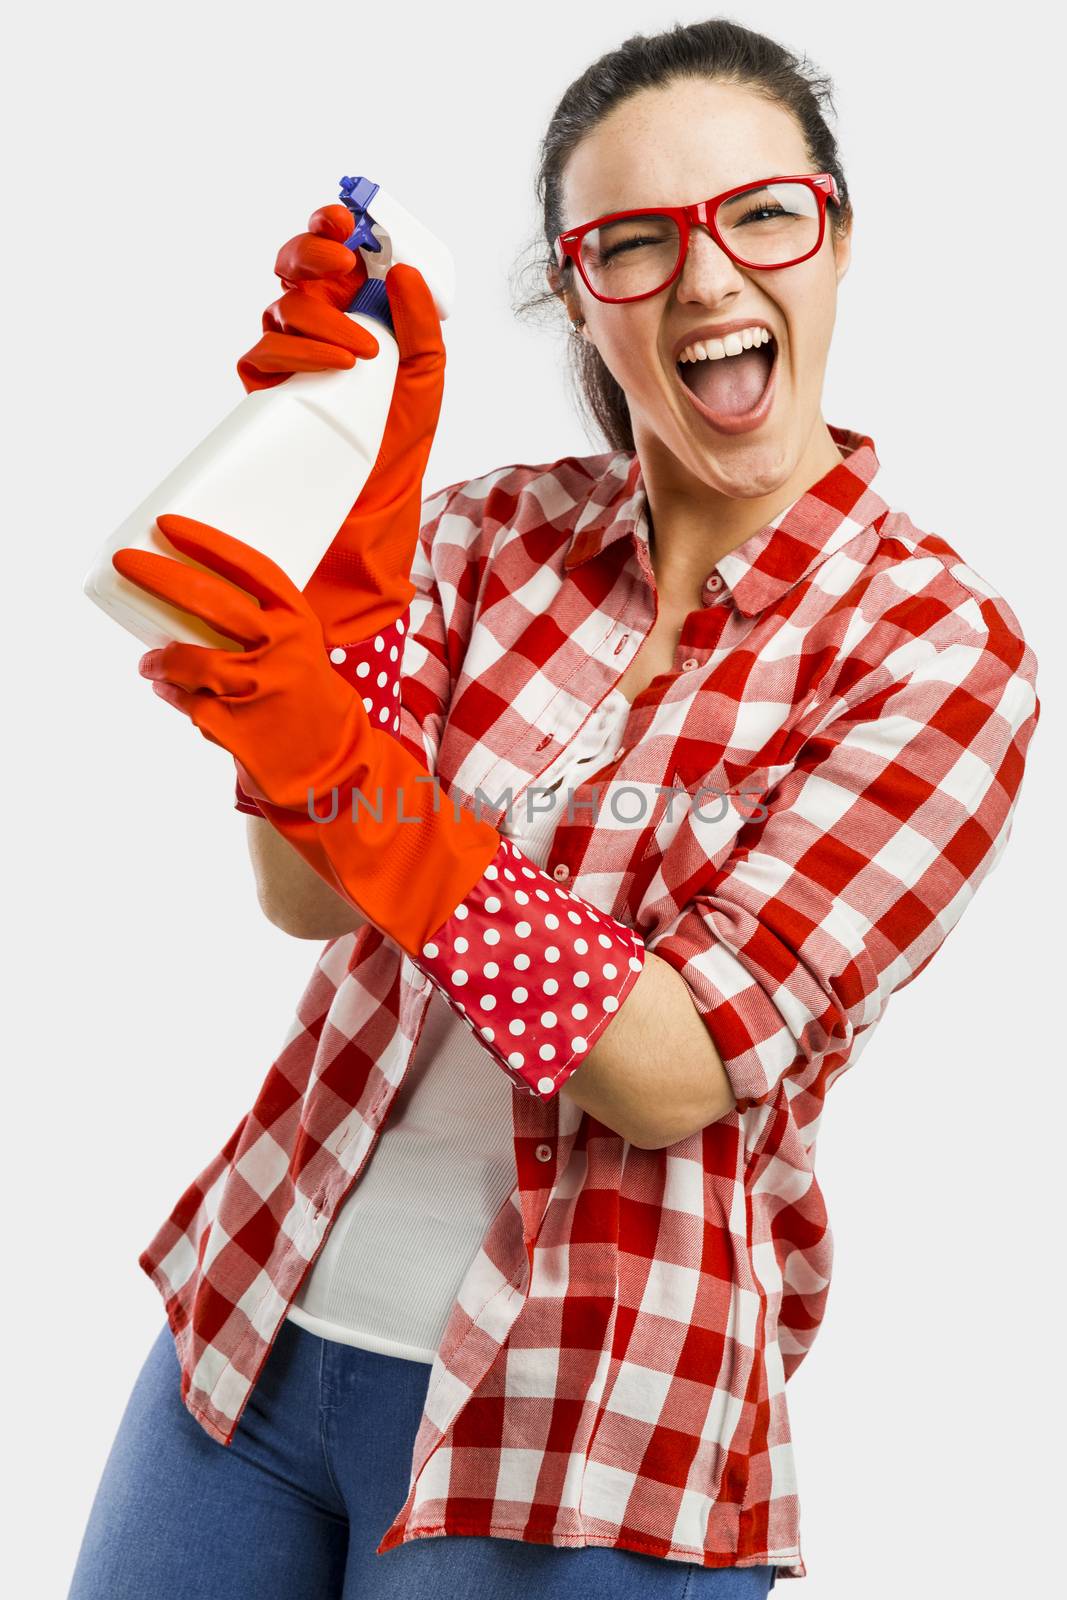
x=629 y=255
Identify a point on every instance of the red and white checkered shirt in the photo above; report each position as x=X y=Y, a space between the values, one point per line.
x=800 y=812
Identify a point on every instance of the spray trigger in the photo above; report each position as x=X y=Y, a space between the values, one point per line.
x=357 y=194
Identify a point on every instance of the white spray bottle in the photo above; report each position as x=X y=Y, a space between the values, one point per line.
x=285 y=467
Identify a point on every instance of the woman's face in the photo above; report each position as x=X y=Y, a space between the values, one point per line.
x=672 y=146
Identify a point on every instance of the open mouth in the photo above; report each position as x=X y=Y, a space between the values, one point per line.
x=733 y=393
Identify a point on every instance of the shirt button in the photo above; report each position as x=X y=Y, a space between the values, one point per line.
x=543 y=1152
x=715 y=582
x=691 y=661
x=560 y=872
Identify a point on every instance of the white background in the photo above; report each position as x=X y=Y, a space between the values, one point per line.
x=157 y=157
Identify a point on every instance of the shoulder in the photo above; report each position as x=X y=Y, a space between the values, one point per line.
x=925 y=562
x=520 y=495
x=920 y=593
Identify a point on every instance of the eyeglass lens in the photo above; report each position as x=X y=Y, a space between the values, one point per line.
x=767 y=226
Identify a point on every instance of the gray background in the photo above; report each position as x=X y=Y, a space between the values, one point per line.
x=157 y=159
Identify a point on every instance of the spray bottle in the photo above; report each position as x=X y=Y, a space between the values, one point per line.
x=285 y=467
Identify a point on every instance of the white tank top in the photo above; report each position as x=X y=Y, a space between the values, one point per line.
x=396 y=1253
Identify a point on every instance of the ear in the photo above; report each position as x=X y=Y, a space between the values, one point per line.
x=843 y=250
x=560 y=286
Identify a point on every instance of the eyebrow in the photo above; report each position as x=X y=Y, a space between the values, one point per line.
x=607 y=211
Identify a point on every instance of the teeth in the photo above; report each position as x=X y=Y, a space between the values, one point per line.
x=732 y=345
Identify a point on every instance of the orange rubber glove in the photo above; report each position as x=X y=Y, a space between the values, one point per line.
x=300 y=735
x=537 y=971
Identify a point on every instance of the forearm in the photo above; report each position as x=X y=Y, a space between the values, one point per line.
x=291 y=893
x=654 y=1075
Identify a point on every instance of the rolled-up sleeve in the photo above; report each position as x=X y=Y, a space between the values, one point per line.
x=858 y=863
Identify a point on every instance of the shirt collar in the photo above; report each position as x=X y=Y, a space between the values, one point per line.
x=773 y=559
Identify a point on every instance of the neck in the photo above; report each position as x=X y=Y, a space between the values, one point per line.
x=692 y=526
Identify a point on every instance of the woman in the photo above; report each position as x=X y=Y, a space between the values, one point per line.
x=556 y=1319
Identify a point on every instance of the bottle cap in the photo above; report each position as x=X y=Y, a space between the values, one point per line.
x=373 y=301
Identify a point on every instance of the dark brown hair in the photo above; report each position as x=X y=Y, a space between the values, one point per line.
x=718 y=49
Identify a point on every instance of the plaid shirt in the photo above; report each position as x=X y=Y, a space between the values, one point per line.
x=824 y=780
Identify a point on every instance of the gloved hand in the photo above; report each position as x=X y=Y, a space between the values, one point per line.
x=300 y=735
x=464 y=904
x=277 y=705
x=362 y=582
x=306 y=330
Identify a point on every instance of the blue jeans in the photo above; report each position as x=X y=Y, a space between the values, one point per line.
x=294 y=1507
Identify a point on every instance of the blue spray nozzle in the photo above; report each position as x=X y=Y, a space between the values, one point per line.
x=400 y=238
x=357 y=194
x=372 y=299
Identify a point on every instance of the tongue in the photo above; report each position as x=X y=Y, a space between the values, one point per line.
x=731 y=385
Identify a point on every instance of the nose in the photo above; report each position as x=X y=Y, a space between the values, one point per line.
x=708 y=272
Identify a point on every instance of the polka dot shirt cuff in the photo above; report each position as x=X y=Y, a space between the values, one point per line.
x=537 y=972
x=372 y=667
